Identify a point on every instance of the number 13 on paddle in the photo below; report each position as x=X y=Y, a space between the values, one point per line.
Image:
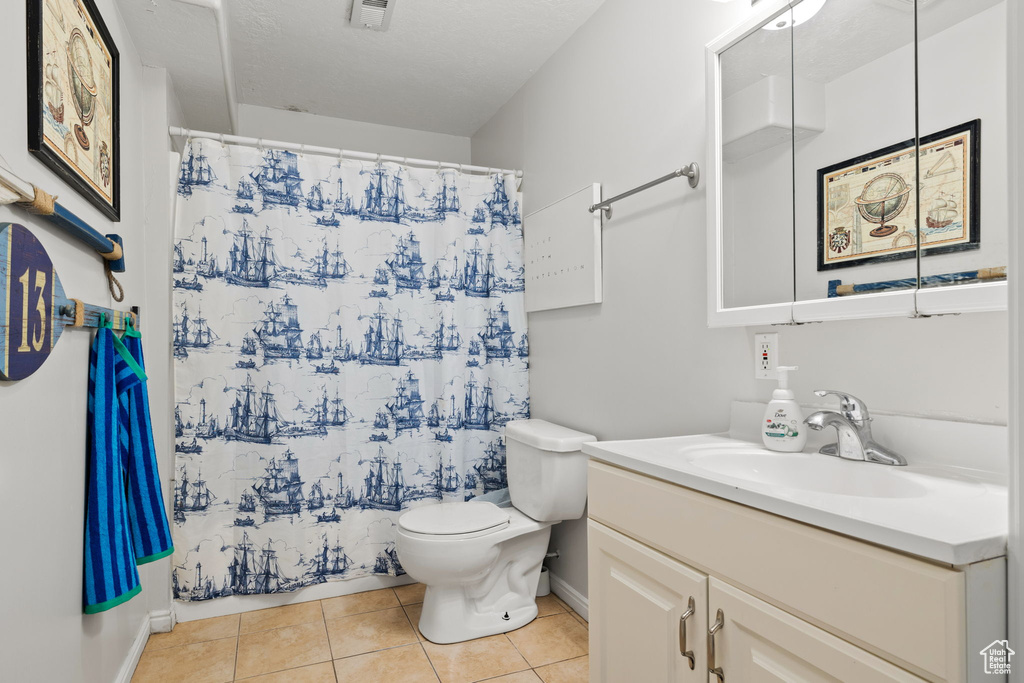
x=30 y=294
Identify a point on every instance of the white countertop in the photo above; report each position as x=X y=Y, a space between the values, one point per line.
x=955 y=516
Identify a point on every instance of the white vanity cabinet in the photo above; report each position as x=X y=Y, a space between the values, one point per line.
x=760 y=643
x=799 y=603
x=640 y=618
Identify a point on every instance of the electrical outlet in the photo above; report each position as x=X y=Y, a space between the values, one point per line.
x=766 y=355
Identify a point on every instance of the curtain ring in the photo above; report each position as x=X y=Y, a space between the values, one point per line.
x=222 y=139
x=302 y=150
x=378 y=158
x=341 y=156
x=259 y=144
x=405 y=161
x=460 y=168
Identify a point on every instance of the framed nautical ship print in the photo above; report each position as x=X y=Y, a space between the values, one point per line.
x=73 y=98
x=868 y=206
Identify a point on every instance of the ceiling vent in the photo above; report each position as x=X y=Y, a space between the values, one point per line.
x=372 y=14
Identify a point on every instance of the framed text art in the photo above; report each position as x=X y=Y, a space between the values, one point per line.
x=869 y=207
x=73 y=98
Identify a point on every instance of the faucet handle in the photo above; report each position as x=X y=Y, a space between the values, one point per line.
x=850 y=406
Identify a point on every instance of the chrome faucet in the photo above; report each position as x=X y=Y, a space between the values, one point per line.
x=853 y=425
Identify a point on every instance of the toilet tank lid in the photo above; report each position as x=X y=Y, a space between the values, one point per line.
x=546 y=436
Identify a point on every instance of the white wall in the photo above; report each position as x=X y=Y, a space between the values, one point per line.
x=43 y=634
x=161 y=109
x=622 y=102
x=1015 y=185
x=358 y=136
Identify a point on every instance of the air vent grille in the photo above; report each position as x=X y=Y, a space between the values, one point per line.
x=372 y=14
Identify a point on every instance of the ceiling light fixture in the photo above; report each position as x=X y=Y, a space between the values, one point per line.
x=796 y=16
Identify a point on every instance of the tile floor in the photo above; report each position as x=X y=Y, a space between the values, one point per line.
x=368 y=636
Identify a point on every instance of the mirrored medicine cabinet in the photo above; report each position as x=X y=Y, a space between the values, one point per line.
x=857 y=161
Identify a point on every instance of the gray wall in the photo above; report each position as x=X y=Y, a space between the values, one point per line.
x=358 y=136
x=43 y=634
x=620 y=103
x=1015 y=83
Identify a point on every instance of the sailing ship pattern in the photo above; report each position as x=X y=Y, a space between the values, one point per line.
x=349 y=340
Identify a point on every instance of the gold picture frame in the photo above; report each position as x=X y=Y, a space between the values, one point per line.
x=73 y=98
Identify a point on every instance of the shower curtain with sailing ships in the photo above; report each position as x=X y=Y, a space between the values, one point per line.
x=349 y=340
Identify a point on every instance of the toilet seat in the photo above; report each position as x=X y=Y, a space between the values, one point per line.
x=455 y=520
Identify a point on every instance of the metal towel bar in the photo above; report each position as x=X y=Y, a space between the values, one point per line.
x=692 y=172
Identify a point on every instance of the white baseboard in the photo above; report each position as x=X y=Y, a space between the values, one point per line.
x=132 y=660
x=161 y=621
x=570 y=596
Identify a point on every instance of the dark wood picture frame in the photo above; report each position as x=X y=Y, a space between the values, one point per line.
x=52 y=156
x=877 y=162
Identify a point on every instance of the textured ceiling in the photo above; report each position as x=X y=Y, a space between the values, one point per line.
x=182 y=38
x=844 y=35
x=444 y=65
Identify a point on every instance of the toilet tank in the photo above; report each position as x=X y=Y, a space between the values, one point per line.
x=547 y=471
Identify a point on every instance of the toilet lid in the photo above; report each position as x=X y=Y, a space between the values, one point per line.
x=453 y=518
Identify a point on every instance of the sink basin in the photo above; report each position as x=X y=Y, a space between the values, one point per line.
x=809 y=472
x=934 y=510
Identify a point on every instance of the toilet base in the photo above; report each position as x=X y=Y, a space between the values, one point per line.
x=454 y=619
x=503 y=600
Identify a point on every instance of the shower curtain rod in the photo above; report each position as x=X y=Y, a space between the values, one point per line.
x=335 y=152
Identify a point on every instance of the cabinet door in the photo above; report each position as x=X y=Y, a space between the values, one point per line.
x=759 y=643
x=638 y=598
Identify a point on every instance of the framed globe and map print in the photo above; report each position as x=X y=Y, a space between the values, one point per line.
x=871 y=208
x=73 y=107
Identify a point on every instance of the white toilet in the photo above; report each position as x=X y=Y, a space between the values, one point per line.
x=480 y=562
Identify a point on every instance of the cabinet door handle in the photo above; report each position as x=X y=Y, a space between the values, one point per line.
x=715 y=628
x=682 y=633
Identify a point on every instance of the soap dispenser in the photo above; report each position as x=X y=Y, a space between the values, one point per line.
x=783 y=427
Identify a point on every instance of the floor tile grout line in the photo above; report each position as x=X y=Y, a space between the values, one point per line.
x=429 y=660
x=238 y=643
x=307 y=623
x=371 y=652
x=354 y=614
x=290 y=668
x=494 y=678
x=517 y=650
x=415 y=628
x=403 y=606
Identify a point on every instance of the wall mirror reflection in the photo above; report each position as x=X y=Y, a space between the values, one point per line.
x=855 y=216
x=757 y=160
x=964 y=202
x=861 y=152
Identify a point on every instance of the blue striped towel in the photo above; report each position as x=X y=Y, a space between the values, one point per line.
x=125 y=522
